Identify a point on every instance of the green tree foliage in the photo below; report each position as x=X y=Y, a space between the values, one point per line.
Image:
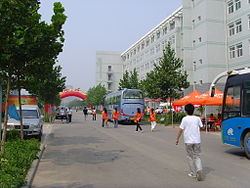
x=77 y=103
x=129 y=80
x=29 y=46
x=95 y=95
x=168 y=78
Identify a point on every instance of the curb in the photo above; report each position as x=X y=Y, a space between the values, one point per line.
x=32 y=171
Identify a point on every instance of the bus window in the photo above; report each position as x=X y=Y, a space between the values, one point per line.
x=232 y=102
x=132 y=95
x=246 y=102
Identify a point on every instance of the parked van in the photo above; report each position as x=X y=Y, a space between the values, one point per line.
x=32 y=121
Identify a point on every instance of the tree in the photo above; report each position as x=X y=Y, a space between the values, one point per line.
x=129 y=80
x=26 y=43
x=95 y=95
x=168 y=78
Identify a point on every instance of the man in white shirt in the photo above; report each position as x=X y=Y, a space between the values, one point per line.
x=190 y=125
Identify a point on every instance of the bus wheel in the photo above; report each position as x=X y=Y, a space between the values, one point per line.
x=247 y=145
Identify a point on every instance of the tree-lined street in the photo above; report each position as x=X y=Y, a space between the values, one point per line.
x=83 y=154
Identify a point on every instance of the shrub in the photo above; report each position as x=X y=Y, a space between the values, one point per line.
x=13 y=134
x=16 y=161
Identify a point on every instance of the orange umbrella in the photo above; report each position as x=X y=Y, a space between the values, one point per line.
x=212 y=101
x=192 y=98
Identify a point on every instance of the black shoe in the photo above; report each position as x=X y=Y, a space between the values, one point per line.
x=199 y=175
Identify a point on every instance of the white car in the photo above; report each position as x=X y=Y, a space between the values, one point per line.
x=32 y=121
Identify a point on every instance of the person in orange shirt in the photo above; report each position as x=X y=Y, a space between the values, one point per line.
x=104 y=117
x=138 y=117
x=152 y=119
x=115 y=114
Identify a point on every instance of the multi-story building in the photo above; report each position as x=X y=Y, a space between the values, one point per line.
x=108 y=69
x=211 y=36
x=149 y=49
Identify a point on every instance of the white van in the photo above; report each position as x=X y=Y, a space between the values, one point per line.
x=32 y=121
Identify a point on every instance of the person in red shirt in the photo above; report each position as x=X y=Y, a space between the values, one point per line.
x=152 y=119
x=104 y=117
x=138 y=117
x=211 y=120
x=115 y=114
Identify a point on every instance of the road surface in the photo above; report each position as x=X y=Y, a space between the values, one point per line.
x=85 y=155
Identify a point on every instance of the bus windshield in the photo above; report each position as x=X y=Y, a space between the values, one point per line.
x=132 y=95
x=232 y=102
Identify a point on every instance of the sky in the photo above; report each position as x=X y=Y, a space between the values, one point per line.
x=102 y=25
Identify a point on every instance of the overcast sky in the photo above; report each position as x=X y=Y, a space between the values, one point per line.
x=108 y=25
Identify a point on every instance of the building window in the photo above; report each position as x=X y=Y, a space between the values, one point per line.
x=172 y=25
x=199 y=39
x=199 y=18
x=147 y=42
x=142 y=46
x=249 y=20
x=230 y=6
x=232 y=52
x=200 y=61
x=237 y=4
x=109 y=68
x=239 y=50
x=201 y=82
x=165 y=30
x=138 y=48
x=152 y=39
x=193 y=43
x=194 y=66
x=238 y=26
x=109 y=77
x=109 y=86
x=158 y=34
x=231 y=29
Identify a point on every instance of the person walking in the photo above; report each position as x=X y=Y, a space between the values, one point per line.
x=69 y=115
x=93 y=114
x=85 y=112
x=105 y=117
x=190 y=125
x=152 y=119
x=115 y=114
x=138 y=117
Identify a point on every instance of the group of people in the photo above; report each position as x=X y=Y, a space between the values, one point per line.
x=93 y=112
x=190 y=127
x=137 y=118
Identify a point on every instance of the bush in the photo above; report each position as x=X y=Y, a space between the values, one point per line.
x=167 y=118
x=13 y=135
x=16 y=161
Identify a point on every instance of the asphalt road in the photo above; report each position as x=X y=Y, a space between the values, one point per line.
x=82 y=154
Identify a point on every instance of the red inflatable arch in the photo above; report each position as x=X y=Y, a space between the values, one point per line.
x=73 y=92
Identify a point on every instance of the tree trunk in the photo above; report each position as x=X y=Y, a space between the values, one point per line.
x=5 y=117
x=20 y=112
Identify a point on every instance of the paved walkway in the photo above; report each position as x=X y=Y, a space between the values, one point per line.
x=85 y=155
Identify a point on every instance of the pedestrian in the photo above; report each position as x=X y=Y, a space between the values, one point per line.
x=93 y=114
x=138 y=117
x=69 y=115
x=105 y=117
x=152 y=119
x=115 y=114
x=190 y=125
x=85 y=112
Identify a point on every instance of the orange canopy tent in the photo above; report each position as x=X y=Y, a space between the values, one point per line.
x=212 y=101
x=192 y=98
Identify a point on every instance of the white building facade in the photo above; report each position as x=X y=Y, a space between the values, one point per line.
x=211 y=36
x=108 y=69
